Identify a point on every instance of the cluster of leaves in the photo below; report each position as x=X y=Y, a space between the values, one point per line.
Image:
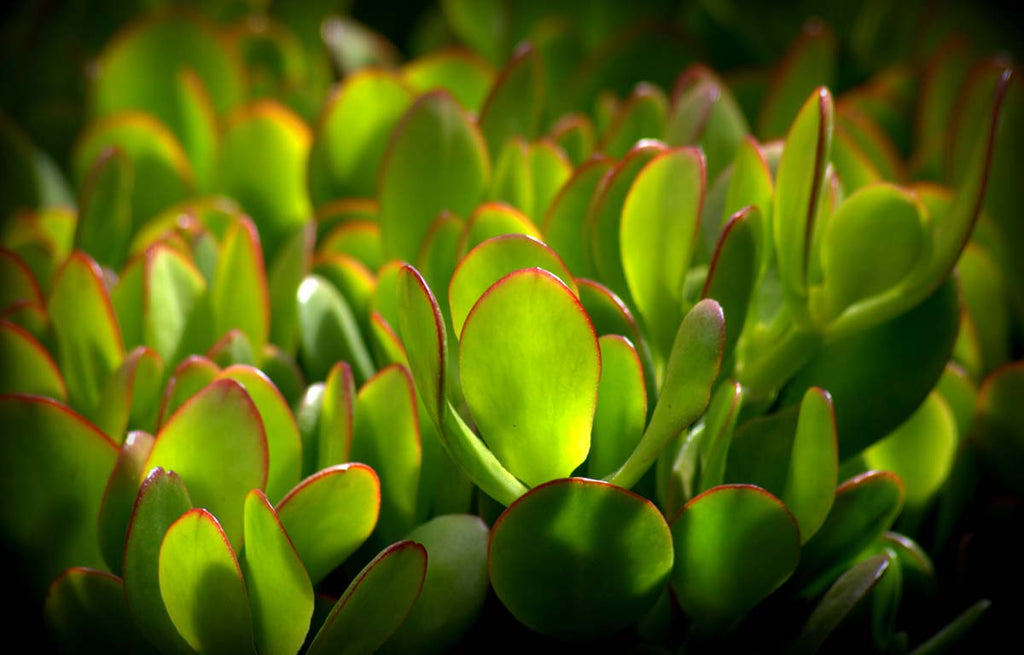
x=499 y=343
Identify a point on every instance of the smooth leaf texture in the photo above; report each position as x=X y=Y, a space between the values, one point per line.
x=454 y=589
x=105 y=224
x=337 y=415
x=217 y=443
x=56 y=465
x=284 y=445
x=191 y=375
x=131 y=396
x=329 y=332
x=641 y=116
x=734 y=270
x=330 y=514
x=565 y=219
x=202 y=586
x=376 y=602
x=293 y=263
x=89 y=346
x=386 y=437
x=495 y=219
x=579 y=558
x=798 y=189
x=239 y=293
x=810 y=62
x=999 y=421
x=280 y=592
x=461 y=72
x=621 y=406
x=734 y=545
x=119 y=497
x=530 y=364
x=162 y=499
x=693 y=366
x=27 y=366
x=20 y=284
x=86 y=612
x=437 y=160
x=514 y=104
x=494 y=259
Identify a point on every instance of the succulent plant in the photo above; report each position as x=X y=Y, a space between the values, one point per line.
x=536 y=330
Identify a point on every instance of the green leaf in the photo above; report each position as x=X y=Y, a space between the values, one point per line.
x=714 y=446
x=191 y=375
x=463 y=73
x=161 y=500
x=574 y=133
x=351 y=135
x=839 y=601
x=280 y=592
x=423 y=332
x=239 y=294
x=376 y=602
x=356 y=238
x=514 y=104
x=27 y=367
x=119 y=497
x=512 y=181
x=704 y=112
x=809 y=63
x=196 y=126
x=865 y=506
x=131 y=396
x=293 y=263
x=641 y=116
x=621 y=406
x=54 y=465
x=484 y=26
x=693 y=365
x=386 y=437
x=734 y=545
x=813 y=464
x=86 y=612
x=454 y=589
x=284 y=445
x=952 y=636
x=799 y=183
x=105 y=221
x=984 y=286
x=337 y=415
x=870 y=245
x=329 y=332
x=999 y=426
x=330 y=514
x=436 y=160
x=920 y=451
x=494 y=219
x=217 y=443
x=734 y=271
x=494 y=259
x=550 y=169
x=202 y=586
x=658 y=229
x=879 y=376
x=526 y=343
x=267 y=136
x=89 y=347
x=20 y=285
x=579 y=558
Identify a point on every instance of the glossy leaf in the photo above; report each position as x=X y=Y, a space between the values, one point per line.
x=376 y=602
x=798 y=189
x=454 y=589
x=734 y=271
x=550 y=169
x=284 y=445
x=329 y=332
x=436 y=161
x=514 y=104
x=621 y=406
x=162 y=499
x=337 y=414
x=494 y=219
x=89 y=346
x=202 y=586
x=131 y=396
x=217 y=443
x=105 y=224
x=734 y=545
x=27 y=367
x=660 y=218
x=191 y=375
x=330 y=514
x=119 y=497
x=280 y=592
x=494 y=259
x=810 y=62
x=20 y=284
x=86 y=612
x=356 y=238
x=813 y=464
x=239 y=294
x=526 y=342
x=425 y=337
x=293 y=263
x=641 y=116
x=386 y=437
x=461 y=72
x=56 y=465
x=693 y=365
x=579 y=558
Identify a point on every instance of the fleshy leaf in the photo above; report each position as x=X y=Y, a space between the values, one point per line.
x=734 y=270
x=56 y=465
x=329 y=332
x=1000 y=422
x=641 y=116
x=454 y=589
x=120 y=495
x=436 y=161
x=202 y=586
x=461 y=72
x=105 y=221
x=734 y=545
x=494 y=219
x=161 y=500
x=810 y=62
x=280 y=592
x=239 y=293
x=621 y=406
x=527 y=342
x=27 y=367
x=579 y=558
x=657 y=233
x=494 y=259
x=89 y=346
x=217 y=443
x=386 y=437
x=330 y=514
x=376 y=602
x=337 y=414
x=191 y=375
x=293 y=263
x=86 y=612
x=513 y=106
x=131 y=396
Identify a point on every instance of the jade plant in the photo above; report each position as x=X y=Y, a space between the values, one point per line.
x=536 y=329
